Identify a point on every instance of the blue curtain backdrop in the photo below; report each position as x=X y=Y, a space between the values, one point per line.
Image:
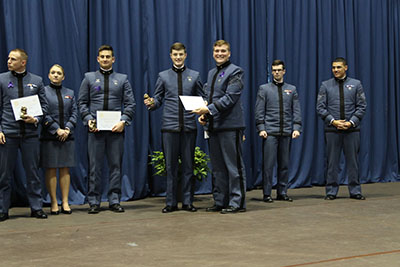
x=306 y=34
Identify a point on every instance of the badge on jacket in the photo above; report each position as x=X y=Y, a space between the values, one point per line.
x=31 y=86
x=287 y=91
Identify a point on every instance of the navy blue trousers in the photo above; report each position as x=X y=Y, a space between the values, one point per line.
x=29 y=148
x=112 y=146
x=228 y=172
x=179 y=145
x=276 y=149
x=350 y=144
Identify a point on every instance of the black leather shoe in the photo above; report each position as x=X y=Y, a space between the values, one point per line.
x=94 y=209
x=3 y=216
x=268 y=199
x=358 y=197
x=65 y=211
x=169 y=209
x=330 y=197
x=190 y=208
x=232 y=210
x=54 y=212
x=214 y=208
x=284 y=198
x=39 y=214
x=116 y=208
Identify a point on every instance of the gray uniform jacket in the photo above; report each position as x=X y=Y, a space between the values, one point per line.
x=175 y=118
x=224 y=88
x=31 y=85
x=93 y=96
x=62 y=113
x=330 y=102
x=277 y=109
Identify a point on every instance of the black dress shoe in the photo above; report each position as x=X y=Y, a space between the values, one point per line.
x=214 y=208
x=330 y=197
x=169 y=209
x=232 y=210
x=39 y=214
x=284 y=198
x=358 y=197
x=94 y=209
x=3 y=216
x=116 y=208
x=189 y=207
x=54 y=212
x=65 y=211
x=268 y=199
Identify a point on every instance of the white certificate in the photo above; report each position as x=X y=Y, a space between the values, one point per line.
x=192 y=102
x=106 y=120
x=31 y=103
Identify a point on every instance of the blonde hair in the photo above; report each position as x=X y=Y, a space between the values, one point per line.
x=57 y=65
x=222 y=42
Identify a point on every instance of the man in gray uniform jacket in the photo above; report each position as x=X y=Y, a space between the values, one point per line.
x=342 y=104
x=278 y=120
x=22 y=134
x=224 y=122
x=105 y=90
x=178 y=126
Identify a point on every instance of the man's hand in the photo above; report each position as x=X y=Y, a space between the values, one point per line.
x=149 y=102
x=92 y=129
x=119 y=127
x=29 y=119
x=347 y=125
x=295 y=134
x=203 y=120
x=341 y=124
x=2 y=138
x=263 y=134
x=201 y=111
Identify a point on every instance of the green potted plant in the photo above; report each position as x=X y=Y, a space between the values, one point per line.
x=200 y=167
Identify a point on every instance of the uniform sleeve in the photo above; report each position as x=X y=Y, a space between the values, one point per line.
x=1 y=106
x=83 y=101
x=159 y=93
x=260 y=110
x=129 y=103
x=322 y=107
x=361 y=106
x=43 y=102
x=49 y=123
x=199 y=88
x=296 y=112
x=231 y=96
x=73 y=115
x=205 y=90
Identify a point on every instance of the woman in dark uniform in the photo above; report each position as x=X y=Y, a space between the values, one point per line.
x=57 y=143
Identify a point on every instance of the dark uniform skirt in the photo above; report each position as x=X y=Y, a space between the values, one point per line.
x=56 y=154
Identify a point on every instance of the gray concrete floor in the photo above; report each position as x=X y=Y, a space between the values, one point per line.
x=307 y=232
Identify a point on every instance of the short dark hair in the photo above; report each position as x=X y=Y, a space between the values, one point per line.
x=222 y=42
x=22 y=52
x=177 y=46
x=106 y=47
x=278 y=62
x=340 y=59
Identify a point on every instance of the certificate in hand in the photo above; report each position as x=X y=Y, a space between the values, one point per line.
x=31 y=103
x=192 y=102
x=106 y=120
